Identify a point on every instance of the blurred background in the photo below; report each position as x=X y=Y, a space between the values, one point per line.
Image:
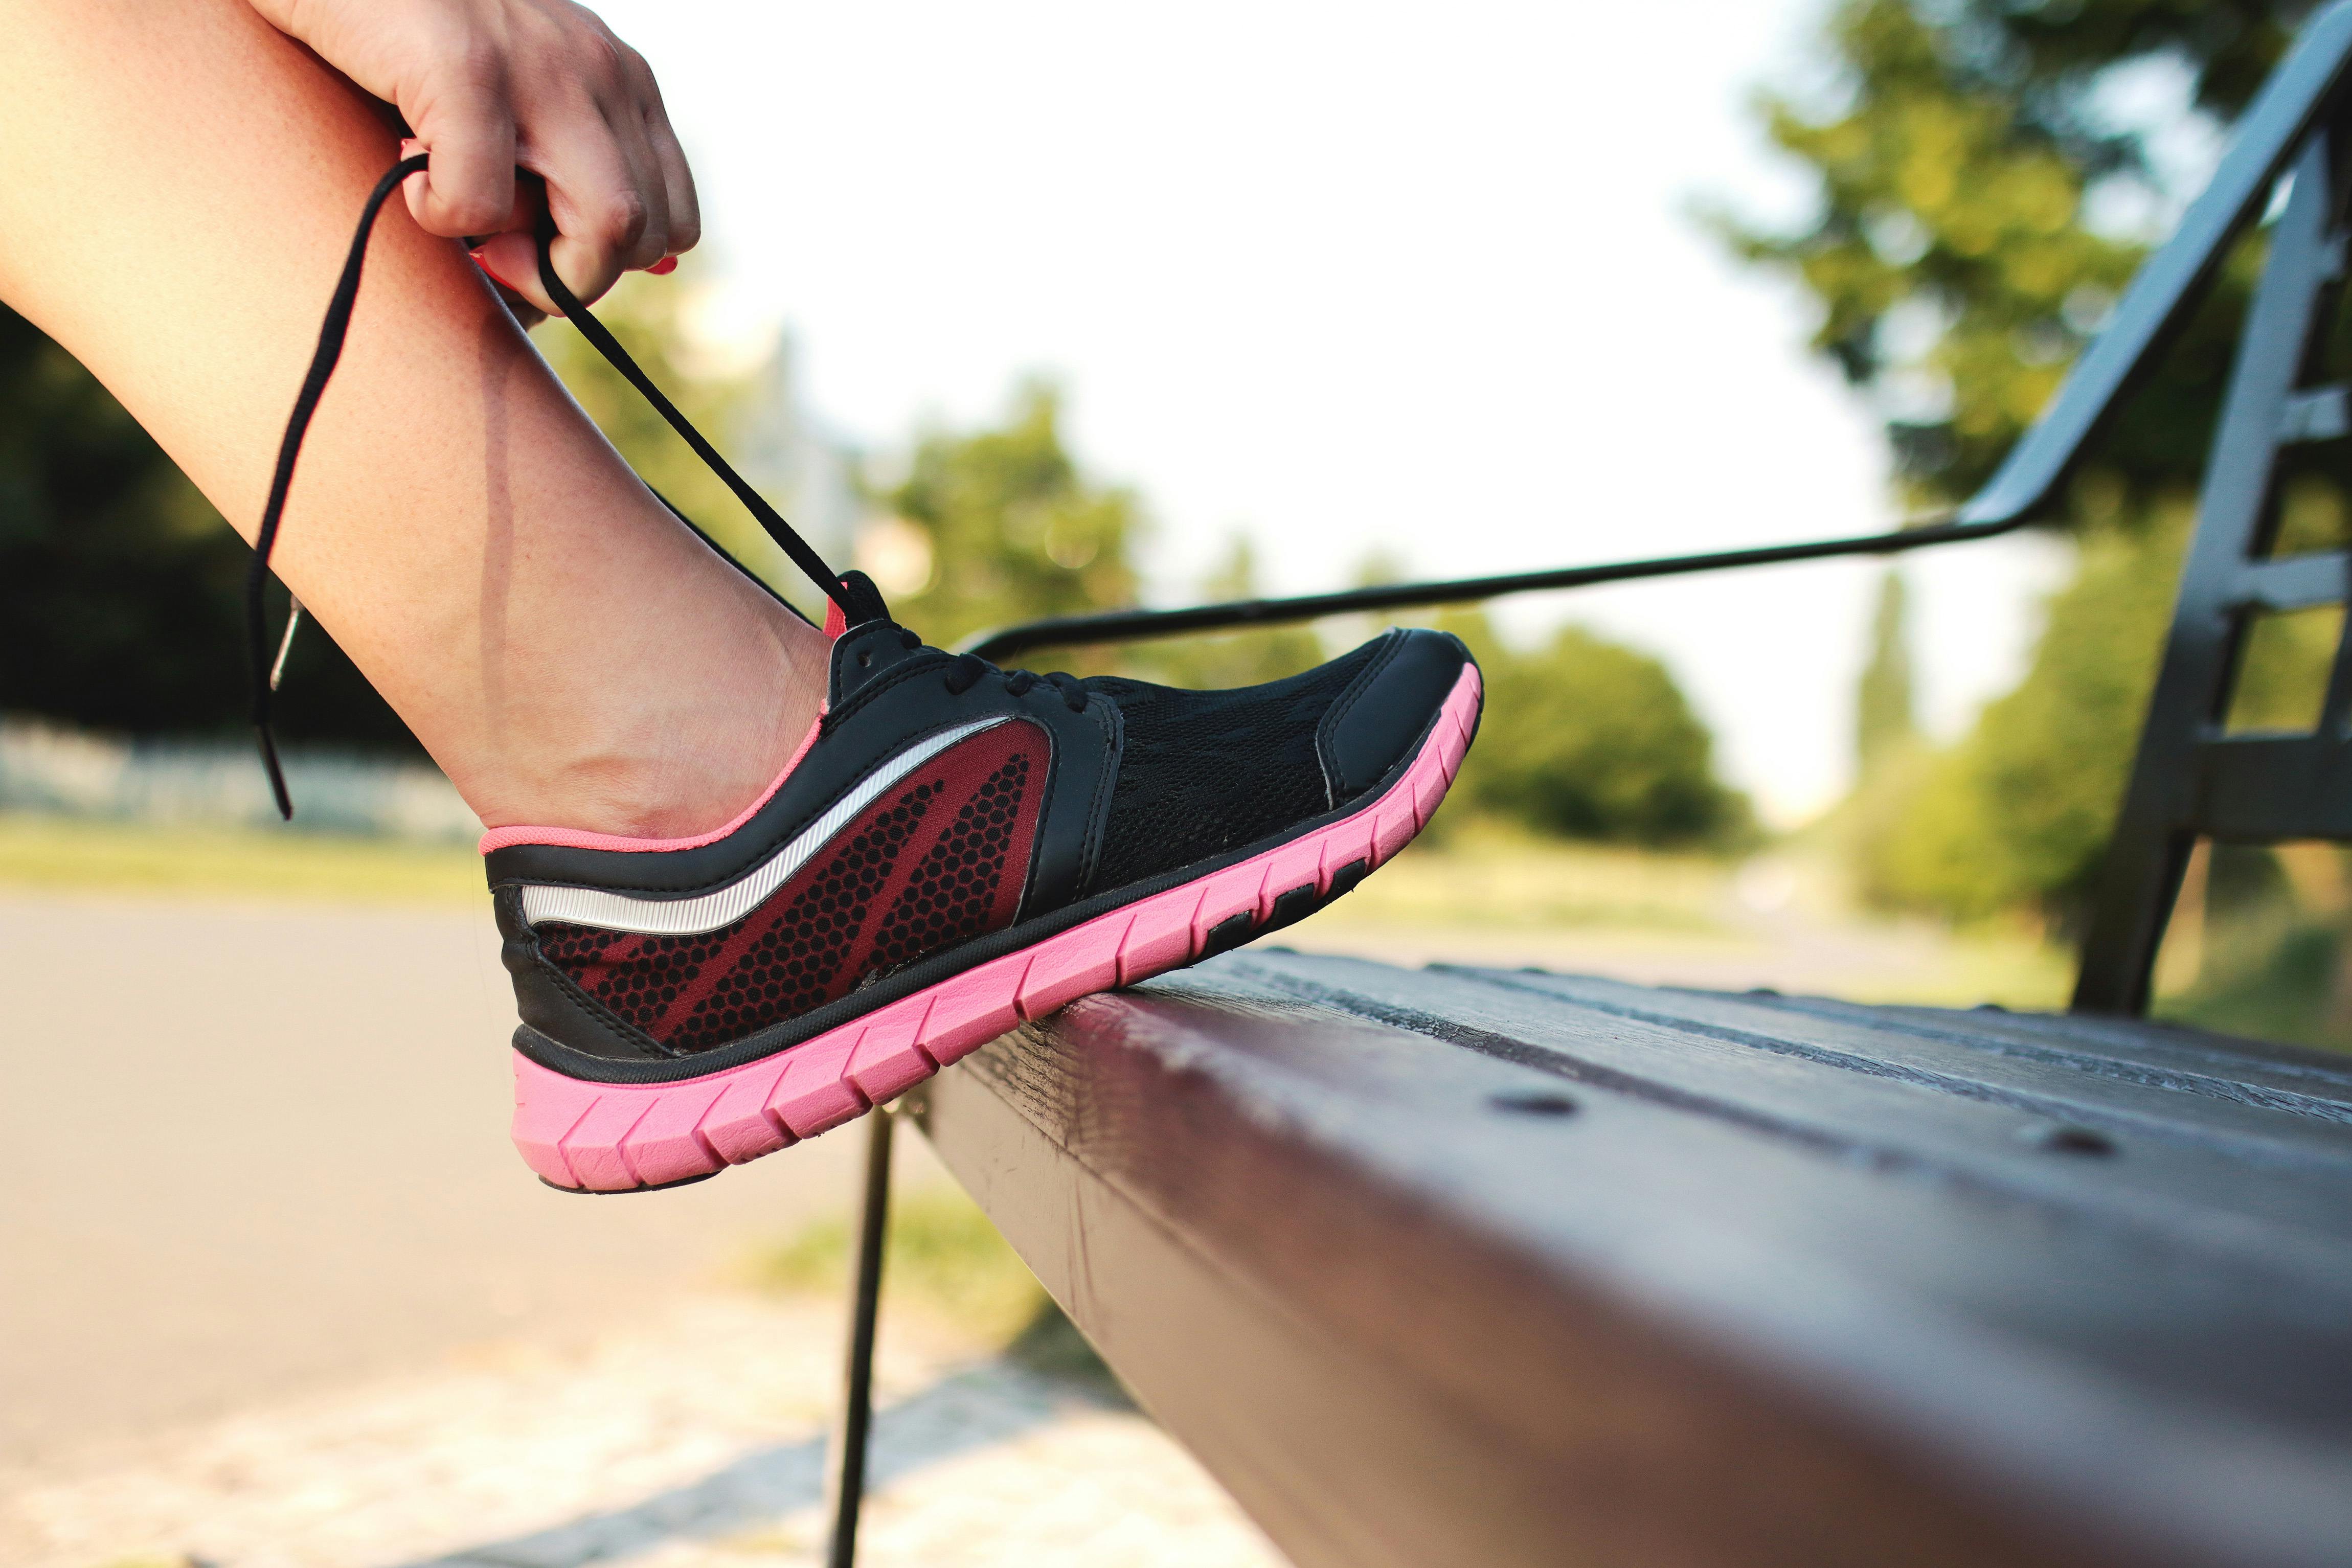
x=1039 y=307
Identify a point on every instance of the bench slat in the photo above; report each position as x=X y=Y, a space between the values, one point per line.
x=1900 y=1103
x=2309 y=1135
x=2247 y=1066
x=1788 y=1311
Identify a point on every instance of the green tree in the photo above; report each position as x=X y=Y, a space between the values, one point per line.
x=122 y=589
x=1583 y=738
x=2018 y=813
x=1952 y=252
x=1959 y=263
x=1586 y=738
x=1885 y=723
x=1016 y=532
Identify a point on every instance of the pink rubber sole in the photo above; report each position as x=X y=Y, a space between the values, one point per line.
x=613 y=1137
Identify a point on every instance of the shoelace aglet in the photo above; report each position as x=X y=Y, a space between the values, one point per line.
x=261 y=727
x=268 y=743
x=285 y=646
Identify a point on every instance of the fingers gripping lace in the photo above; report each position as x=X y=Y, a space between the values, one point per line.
x=857 y=598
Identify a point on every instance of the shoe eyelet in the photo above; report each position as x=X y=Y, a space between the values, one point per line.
x=865 y=660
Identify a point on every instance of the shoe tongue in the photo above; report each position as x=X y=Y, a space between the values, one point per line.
x=856 y=657
x=860 y=654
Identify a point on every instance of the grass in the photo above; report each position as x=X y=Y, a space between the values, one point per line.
x=2286 y=989
x=70 y=853
x=943 y=1252
x=944 y=1255
x=1482 y=876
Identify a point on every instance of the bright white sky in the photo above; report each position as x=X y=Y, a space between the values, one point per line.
x=1344 y=277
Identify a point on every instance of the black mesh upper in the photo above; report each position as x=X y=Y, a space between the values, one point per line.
x=1205 y=772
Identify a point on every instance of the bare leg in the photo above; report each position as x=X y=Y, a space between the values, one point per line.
x=179 y=188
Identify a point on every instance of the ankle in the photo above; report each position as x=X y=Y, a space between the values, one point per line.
x=672 y=761
x=667 y=791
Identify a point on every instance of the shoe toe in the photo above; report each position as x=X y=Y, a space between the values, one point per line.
x=1382 y=715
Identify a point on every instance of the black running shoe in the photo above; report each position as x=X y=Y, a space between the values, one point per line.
x=954 y=849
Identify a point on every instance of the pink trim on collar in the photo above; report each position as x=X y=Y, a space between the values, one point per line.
x=572 y=838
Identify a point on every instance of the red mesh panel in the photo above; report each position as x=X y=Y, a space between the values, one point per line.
x=944 y=853
x=961 y=888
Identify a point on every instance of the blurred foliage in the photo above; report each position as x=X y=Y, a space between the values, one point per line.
x=1885 y=724
x=1016 y=532
x=1587 y=739
x=2018 y=813
x=1483 y=872
x=941 y=1251
x=1950 y=253
x=121 y=590
x=2256 y=945
x=945 y=1254
x=184 y=860
x=1584 y=739
x=1981 y=205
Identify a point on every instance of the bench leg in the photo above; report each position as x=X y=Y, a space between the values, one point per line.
x=846 y=1465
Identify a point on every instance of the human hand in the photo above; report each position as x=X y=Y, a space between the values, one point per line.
x=489 y=86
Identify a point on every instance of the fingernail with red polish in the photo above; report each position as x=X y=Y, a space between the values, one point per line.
x=664 y=267
x=483 y=262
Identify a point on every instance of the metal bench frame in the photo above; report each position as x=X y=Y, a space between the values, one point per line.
x=2189 y=780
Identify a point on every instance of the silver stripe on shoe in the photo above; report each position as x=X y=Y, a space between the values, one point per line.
x=709 y=910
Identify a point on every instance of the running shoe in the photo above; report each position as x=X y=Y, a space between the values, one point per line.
x=955 y=850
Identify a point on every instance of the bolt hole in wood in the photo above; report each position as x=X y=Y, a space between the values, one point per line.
x=1535 y=1104
x=2066 y=1139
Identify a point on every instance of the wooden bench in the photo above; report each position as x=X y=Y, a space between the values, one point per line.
x=1485 y=1267
x=1463 y=1266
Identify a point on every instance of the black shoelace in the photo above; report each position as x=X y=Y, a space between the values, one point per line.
x=852 y=592
x=969 y=670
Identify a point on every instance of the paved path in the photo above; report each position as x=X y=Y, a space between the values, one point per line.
x=275 y=1292
x=246 y=1151
x=692 y=1439
x=274 y=1289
